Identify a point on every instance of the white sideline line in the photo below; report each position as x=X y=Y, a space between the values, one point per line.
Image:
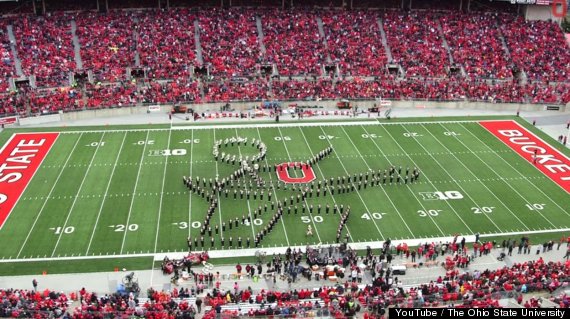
x=190 y=193
x=49 y=195
x=161 y=194
x=77 y=194
x=494 y=172
x=304 y=200
x=134 y=193
x=331 y=195
x=251 y=251
x=105 y=196
x=274 y=192
x=514 y=168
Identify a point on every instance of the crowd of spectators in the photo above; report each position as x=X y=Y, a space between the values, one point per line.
x=293 y=42
x=475 y=44
x=166 y=43
x=45 y=48
x=353 y=40
x=230 y=42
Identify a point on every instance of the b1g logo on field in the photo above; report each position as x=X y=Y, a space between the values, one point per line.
x=441 y=195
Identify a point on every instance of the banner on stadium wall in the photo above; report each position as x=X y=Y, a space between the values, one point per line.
x=154 y=108
x=9 y=120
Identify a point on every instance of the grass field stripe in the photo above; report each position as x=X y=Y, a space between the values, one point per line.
x=476 y=178
x=386 y=193
x=77 y=194
x=450 y=176
x=274 y=192
x=346 y=171
x=105 y=195
x=305 y=200
x=218 y=196
x=161 y=192
x=515 y=169
x=499 y=176
x=190 y=193
x=47 y=198
x=425 y=175
x=246 y=189
x=134 y=191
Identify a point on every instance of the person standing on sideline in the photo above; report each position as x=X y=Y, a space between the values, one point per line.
x=199 y=304
x=35 y=284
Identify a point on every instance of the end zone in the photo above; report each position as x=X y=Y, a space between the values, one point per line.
x=544 y=157
x=19 y=160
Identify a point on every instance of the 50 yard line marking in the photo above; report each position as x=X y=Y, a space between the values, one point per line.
x=134 y=192
x=77 y=195
x=305 y=200
x=324 y=177
x=189 y=192
x=105 y=196
x=218 y=196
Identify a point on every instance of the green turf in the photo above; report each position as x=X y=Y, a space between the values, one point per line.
x=110 y=192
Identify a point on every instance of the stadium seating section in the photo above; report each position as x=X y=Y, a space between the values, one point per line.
x=240 y=54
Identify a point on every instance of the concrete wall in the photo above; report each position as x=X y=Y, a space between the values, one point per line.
x=534 y=12
x=243 y=106
x=37 y=120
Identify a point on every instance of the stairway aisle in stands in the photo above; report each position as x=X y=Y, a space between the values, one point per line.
x=17 y=61
x=76 y=46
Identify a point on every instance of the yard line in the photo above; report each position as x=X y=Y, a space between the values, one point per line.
x=471 y=172
x=134 y=191
x=332 y=196
x=48 y=196
x=304 y=200
x=105 y=196
x=218 y=196
x=346 y=171
x=246 y=189
x=76 y=197
x=495 y=172
x=190 y=193
x=384 y=190
x=425 y=175
x=274 y=192
x=161 y=193
x=514 y=168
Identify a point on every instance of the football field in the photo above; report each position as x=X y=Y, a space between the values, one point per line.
x=111 y=192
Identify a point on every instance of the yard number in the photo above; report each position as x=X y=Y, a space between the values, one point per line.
x=374 y=215
x=95 y=144
x=412 y=134
x=430 y=212
x=121 y=227
x=61 y=230
x=284 y=138
x=371 y=135
x=256 y=222
x=190 y=141
x=184 y=225
x=482 y=209
x=149 y=142
x=326 y=137
x=535 y=206
x=451 y=133
x=316 y=219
